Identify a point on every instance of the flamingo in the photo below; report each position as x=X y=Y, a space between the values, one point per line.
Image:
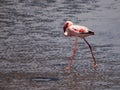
x=78 y=31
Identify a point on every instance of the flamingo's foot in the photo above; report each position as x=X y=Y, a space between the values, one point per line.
x=68 y=67
x=95 y=65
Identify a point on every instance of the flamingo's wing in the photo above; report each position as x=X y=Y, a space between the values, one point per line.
x=79 y=29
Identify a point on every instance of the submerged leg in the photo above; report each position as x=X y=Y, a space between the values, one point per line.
x=74 y=52
x=95 y=63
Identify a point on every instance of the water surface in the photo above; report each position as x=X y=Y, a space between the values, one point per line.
x=34 y=52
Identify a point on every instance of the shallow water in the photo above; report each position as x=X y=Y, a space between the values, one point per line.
x=34 y=52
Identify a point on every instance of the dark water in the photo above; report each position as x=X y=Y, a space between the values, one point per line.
x=34 y=52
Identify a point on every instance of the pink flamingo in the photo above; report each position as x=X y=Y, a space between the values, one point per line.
x=78 y=31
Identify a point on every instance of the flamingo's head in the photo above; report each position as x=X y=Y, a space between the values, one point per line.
x=67 y=24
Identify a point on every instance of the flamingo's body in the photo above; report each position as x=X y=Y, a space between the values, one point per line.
x=78 y=31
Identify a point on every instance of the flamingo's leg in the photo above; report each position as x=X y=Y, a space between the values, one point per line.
x=74 y=52
x=95 y=63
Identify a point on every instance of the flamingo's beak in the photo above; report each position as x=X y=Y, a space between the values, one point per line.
x=64 y=28
x=66 y=33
